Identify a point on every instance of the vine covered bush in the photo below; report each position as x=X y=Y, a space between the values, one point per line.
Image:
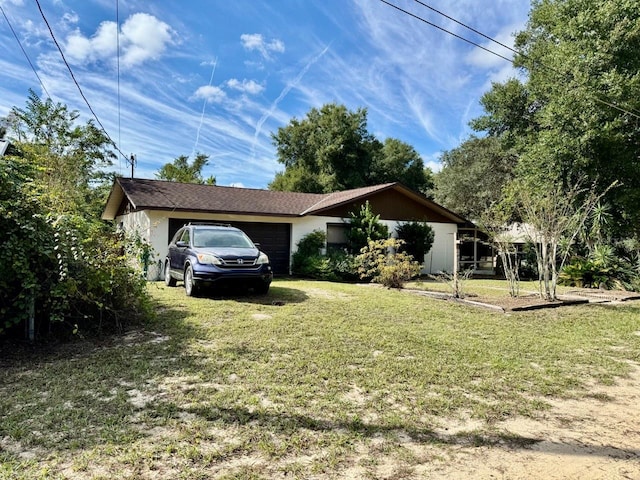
x=66 y=271
x=62 y=270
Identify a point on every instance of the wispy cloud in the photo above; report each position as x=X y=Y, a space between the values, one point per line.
x=255 y=41
x=283 y=94
x=245 y=86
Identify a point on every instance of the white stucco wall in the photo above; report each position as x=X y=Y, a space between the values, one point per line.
x=153 y=226
x=438 y=259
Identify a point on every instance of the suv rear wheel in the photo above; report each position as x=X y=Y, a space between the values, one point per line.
x=190 y=286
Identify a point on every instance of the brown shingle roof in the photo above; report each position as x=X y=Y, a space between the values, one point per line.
x=145 y=194
x=163 y=195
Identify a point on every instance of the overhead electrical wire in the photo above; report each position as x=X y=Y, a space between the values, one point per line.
x=510 y=60
x=424 y=20
x=118 y=72
x=24 y=51
x=522 y=54
x=73 y=77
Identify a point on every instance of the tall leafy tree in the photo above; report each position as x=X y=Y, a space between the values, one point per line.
x=69 y=157
x=473 y=176
x=331 y=149
x=398 y=161
x=61 y=268
x=577 y=114
x=180 y=170
x=331 y=146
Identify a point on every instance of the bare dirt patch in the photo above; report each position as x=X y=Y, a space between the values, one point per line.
x=596 y=437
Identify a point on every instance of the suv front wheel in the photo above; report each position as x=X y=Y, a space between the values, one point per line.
x=190 y=286
x=169 y=281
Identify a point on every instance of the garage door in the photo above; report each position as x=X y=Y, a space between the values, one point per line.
x=274 y=239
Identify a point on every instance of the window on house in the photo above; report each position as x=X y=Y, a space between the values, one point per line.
x=337 y=236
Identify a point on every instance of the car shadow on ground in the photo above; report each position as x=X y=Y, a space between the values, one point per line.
x=276 y=296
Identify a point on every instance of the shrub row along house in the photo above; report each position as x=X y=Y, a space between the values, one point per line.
x=155 y=210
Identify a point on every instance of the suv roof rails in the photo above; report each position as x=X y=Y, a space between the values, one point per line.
x=211 y=224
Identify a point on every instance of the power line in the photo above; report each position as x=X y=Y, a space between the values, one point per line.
x=118 y=70
x=76 y=82
x=510 y=60
x=467 y=26
x=522 y=54
x=24 y=52
x=417 y=17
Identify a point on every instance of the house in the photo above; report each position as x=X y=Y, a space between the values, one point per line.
x=156 y=209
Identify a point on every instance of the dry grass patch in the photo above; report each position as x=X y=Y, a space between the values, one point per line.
x=303 y=384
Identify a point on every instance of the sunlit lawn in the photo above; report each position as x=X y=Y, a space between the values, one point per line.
x=313 y=379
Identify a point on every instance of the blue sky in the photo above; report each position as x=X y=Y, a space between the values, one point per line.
x=219 y=76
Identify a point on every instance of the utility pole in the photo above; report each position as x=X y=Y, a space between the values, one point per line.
x=132 y=161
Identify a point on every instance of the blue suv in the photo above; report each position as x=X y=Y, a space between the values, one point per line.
x=212 y=254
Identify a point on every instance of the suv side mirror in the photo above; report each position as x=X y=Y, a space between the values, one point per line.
x=181 y=244
x=257 y=245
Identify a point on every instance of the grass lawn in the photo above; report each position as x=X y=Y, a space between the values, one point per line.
x=312 y=380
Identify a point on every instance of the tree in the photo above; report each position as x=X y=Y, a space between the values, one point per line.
x=331 y=150
x=553 y=218
x=364 y=227
x=473 y=176
x=180 y=170
x=68 y=157
x=397 y=161
x=418 y=239
x=576 y=114
x=331 y=144
x=59 y=264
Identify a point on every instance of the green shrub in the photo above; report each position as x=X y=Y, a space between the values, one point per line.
x=364 y=227
x=381 y=262
x=418 y=238
x=604 y=268
x=70 y=270
x=309 y=262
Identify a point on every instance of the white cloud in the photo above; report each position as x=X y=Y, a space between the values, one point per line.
x=255 y=41
x=142 y=37
x=210 y=93
x=245 y=86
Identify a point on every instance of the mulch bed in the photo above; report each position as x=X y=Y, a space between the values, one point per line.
x=527 y=302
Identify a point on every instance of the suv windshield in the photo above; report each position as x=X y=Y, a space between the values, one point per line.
x=203 y=237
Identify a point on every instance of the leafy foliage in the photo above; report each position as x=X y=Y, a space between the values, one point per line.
x=605 y=267
x=418 y=239
x=180 y=170
x=67 y=157
x=58 y=262
x=382 y=262
x=473 y=176
x=574 y=118
x=364 y=227
x=308 y=261
x=331 y=150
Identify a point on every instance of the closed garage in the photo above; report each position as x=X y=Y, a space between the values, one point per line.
x=274 y=239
